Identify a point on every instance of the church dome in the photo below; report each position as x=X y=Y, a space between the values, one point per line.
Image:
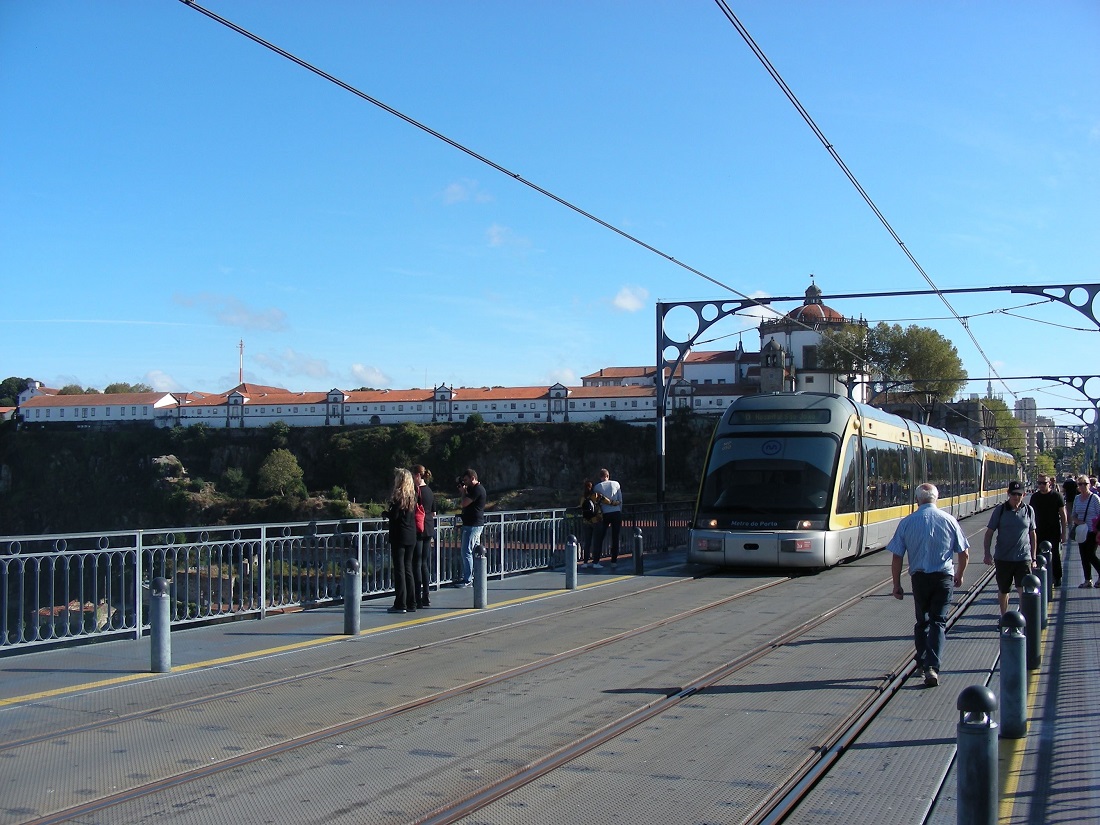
x=813 y=311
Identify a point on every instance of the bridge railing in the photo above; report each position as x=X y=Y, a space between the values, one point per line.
x=88 y=586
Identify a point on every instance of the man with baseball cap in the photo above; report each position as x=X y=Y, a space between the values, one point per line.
x=1013 y=522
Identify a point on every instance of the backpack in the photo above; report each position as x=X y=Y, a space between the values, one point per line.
x=419 y=514
x=588 y=509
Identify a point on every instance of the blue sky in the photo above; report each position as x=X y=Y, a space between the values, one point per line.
x=169 y=188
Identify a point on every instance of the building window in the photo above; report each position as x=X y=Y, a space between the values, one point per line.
x=613 y=403
x=572 y=405
x=513 y=406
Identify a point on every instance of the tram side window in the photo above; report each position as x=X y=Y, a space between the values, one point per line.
x=846 y=500
x=886 y=474
x=939 y=472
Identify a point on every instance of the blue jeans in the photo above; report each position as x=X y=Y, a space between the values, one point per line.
x=931 y=599
x=470 y=537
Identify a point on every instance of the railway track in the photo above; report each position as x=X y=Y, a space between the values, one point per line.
x=175 y=790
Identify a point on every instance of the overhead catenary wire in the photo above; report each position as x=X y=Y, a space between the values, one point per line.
x=763 y=58
x=764 y=305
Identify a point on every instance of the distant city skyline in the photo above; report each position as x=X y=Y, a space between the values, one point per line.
x=174 y=188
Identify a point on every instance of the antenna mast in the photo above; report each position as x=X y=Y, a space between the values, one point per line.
x=240 y=346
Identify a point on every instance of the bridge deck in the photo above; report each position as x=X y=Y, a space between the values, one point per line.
x=700 y=762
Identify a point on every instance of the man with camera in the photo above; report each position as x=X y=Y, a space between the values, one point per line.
x=473 y=521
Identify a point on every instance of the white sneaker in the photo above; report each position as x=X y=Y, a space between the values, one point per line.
x=597 y=566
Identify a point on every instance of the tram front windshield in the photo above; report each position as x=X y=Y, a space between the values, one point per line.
x=769 y=474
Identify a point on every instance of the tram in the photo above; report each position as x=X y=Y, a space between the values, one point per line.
x=813 y=479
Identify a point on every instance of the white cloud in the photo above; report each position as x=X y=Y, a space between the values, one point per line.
x=463 y=190
x=366 y=376
x=563 y=376
x=162 y=382
x=231 y=311
x=630 y=299
x=291 y=362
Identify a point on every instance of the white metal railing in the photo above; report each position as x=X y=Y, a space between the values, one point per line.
x=88 y=586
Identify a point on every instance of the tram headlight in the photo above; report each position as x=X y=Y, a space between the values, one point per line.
x=707 y=523
x=810 y=524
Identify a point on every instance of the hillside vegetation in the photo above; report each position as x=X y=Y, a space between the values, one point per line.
x=70 y=481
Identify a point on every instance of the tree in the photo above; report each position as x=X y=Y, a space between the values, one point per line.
x=280 y=474
x=10 y=389
x=914 y=359
x=1006 y=434
x=122 y=386
x=1044 y=464
x=71 y=389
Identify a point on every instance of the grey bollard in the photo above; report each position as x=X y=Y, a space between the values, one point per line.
x=572 y=546
x=353 y=598
x=1030 y=606
x=639 y=546
x=160 y=627
x=1013 y=667
x=1043 y=575
x=976 y=771
x=481 y=578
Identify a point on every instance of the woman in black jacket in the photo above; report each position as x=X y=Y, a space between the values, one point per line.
x=402 y=519
x=425 y=532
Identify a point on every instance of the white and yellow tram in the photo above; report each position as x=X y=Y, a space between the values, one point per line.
x=813 y=479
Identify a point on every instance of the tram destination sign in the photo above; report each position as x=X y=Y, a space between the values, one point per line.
x=780 y=416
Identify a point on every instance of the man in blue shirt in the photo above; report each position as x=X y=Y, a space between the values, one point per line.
x=932 y=538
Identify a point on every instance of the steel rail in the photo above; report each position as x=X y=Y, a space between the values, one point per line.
x=476 y=801
x=232 y=763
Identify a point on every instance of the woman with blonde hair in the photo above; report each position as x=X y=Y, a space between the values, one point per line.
x=1084 y=510
x=402 y=521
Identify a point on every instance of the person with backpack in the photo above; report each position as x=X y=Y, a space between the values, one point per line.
x=425 y=533
x=591 y=515
x=1084 y=513
x=1013 y=522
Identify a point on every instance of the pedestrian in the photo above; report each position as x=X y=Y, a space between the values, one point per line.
x=1013 y=522
x=425 y=533
x=1050 y=522
x=932 y=538
x=1069 y=491
x=591 y=517
x=402 y=520
x=1085 y=510
x=472 y=502
x=611 y=503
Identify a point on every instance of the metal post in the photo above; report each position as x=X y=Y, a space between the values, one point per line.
x=976 y=773
x=639 y=546
x=1031 y=603
x=571 y=548
x=481 y=578
x=1043 y=575
x=1013 y=667
x=160 y=627
x=353 y=598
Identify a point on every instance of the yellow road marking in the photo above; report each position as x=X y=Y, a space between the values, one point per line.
x=272 y=651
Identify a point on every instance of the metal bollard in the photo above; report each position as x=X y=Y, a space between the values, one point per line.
x=1031 y=604
x=976 y=771
x=481 y=578
x=1013 y=667
x=639 y=546
x=353 y=598
x=572 y=547
x=160 y=627
x=1043 y=575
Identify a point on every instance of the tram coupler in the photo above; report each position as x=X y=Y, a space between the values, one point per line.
x=639 y=546
x=1013 y=667
x=1042 y=573
x=976 y=770
x=160 y=626
x=1031 y=602
x=481 y=578
x=572 y=546
x=353 y=598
